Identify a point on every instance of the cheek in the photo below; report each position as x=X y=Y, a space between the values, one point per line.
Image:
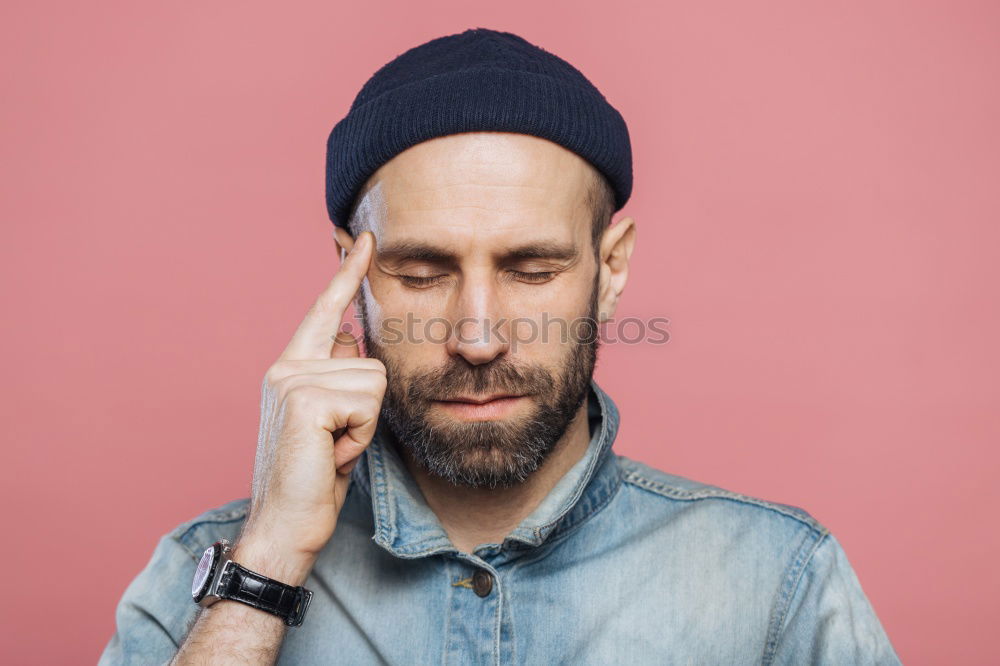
x=543 y=340
x=373 y=306
x=549 y=333
x=388 y=308
x=410 y=329
x=396 y=299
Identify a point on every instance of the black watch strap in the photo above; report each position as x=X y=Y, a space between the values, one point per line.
x=287 y=602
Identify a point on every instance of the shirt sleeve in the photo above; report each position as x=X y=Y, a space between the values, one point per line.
x=829 y=619
x=155 y=612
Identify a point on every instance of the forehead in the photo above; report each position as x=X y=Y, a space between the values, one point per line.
x=480 y=190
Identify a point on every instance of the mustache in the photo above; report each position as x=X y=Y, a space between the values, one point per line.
x=458 y=377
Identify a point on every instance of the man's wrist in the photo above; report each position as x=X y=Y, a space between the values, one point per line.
x=266 y=558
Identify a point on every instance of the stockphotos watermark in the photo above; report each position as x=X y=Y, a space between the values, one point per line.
x=519 y=331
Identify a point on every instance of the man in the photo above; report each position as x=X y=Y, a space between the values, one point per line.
x=453 y=496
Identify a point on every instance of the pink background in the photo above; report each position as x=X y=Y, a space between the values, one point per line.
x=816 y=199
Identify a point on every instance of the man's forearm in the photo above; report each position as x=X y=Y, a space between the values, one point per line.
x=231 y=632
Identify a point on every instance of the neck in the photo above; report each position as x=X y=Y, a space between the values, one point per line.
x=475 y=516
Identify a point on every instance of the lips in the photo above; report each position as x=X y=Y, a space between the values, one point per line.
x=482 y=401
x=483 y=408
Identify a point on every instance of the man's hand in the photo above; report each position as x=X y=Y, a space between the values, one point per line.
x=320 y=404
x=319 y=408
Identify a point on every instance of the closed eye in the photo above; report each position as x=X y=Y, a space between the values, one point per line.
x=533 y=276
x=420 y=282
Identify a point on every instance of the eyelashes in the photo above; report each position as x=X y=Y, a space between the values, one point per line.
x=531 y=277
x=420 y=282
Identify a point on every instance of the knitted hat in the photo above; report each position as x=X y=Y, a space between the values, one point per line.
x=477 y=80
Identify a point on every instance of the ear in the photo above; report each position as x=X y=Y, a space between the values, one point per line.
x=616 y=248
x=344 y=241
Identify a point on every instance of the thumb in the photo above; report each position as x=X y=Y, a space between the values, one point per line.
x=345 y=345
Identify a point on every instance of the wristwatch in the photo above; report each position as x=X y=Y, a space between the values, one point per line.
x=219 y=577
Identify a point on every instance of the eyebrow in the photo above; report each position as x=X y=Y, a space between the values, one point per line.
x=421 y=251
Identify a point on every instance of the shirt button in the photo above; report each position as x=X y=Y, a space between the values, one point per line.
x=482 y=582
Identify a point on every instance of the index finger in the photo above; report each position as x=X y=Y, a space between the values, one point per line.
x=313 y=338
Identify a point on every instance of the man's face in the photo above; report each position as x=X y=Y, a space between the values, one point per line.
x=483 y=285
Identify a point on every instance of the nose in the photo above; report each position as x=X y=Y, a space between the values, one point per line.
x=479 y=329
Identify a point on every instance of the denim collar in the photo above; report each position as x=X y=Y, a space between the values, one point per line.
x=407 y=527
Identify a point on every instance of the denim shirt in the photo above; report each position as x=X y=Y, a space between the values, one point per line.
x=620 y=563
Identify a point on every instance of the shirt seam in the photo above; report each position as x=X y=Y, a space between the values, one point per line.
x=565 y=520
x=790 y=585
x=545 y=548
x=639 y=480
x=574 y=523
x=181 y=533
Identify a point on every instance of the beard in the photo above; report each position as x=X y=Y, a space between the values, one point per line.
x=493 y=453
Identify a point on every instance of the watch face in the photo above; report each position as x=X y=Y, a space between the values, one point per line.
x=204 y=569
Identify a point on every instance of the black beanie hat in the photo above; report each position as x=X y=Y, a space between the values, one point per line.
x=477 y=80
